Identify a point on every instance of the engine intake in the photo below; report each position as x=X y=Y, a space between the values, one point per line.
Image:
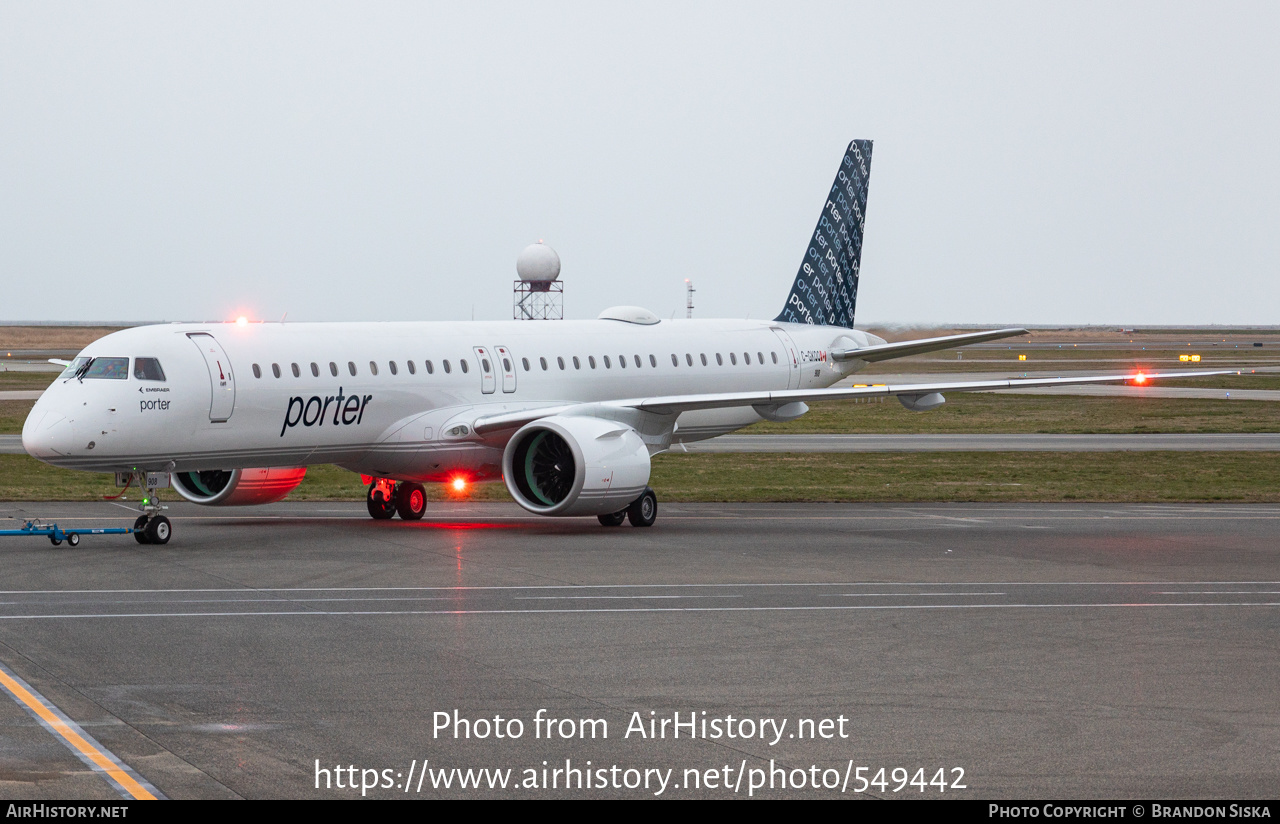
x=238 y=487
x=575 y=466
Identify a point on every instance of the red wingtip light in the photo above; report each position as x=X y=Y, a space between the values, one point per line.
x=242 y=321
x=1140 y=378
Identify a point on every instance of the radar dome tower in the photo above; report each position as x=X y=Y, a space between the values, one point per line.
x=538 y=294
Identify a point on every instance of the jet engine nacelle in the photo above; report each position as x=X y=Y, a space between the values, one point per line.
x=565 y=465
x=238 y=487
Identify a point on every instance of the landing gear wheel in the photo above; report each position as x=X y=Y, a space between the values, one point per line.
x=612 y=519
x=55 y=541
x=158 y=530
x=411 y=501
x=643 y=510
x=380 y=507
x=140 y=530
x=73 y=539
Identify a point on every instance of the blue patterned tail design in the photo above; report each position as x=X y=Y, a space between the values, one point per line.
x=826 y=286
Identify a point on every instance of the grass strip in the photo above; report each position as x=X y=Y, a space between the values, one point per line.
x=974 y=413
x=1120 y=477
x=971 y=476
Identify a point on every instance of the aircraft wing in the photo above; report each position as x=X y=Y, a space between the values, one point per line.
x=514 y=420
x=888 y=351
x=673 y=404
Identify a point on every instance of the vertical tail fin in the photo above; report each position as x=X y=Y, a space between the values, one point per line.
x=826 y=287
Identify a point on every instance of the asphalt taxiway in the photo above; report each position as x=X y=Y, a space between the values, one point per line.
x=1063 y=651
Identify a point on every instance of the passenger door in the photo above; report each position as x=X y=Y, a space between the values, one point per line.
x=222 y=382
x=792 y=357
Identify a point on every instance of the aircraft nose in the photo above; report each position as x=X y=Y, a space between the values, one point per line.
x=47 y=435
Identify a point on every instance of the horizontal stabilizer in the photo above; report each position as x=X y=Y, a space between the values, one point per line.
x=889 y=351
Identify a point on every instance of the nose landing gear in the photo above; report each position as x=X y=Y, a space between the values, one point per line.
x=387 y=498
x=152 y=529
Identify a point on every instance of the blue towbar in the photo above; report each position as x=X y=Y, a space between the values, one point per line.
x=56 y=535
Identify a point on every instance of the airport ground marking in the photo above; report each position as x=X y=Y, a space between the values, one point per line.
x=98 y=758
x=604 y=610
x=744 y=585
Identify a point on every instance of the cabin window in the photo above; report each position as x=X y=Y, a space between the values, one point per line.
x=653 y=361
x=351 y=367
x=704 y=359
x=275 y=369
x=606 y=362
x=543 y=363
x=315 y=370
x=373 y=368
x=392 y=366
x=431 y=370
x=591 y=359
x=560 y=361
x=466 y=367
x=577 y=364
x=760 y=355
x=622 y=361
x=333 y=369
x=638 y=363
x=746 y=358
x=733 y=359
x=775 y=356
x=484 y=364
x=719 y=360
x=413 y=369
x=506 y=365
x=674 y=360
x=525 y=363
x=257 y=371
x=447 y=367
x=147 y=369
x=293 y=367
x=688 y=358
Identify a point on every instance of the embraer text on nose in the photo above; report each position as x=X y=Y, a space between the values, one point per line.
x=313 y=411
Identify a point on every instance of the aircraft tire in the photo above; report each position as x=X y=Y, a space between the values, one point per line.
x=411 y=501
x=379 y=510
x=140 y=530
x=643 y=510
x=613 y=518
x=158 y=530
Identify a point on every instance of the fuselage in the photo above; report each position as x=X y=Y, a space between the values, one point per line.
x=395 y=399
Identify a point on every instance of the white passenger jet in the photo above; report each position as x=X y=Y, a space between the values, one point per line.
x=567 y=414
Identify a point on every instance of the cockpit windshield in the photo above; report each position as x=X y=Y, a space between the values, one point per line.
x=116 y=369
x=73 y=367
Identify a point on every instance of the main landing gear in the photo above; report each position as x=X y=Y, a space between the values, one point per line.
x=643 y=511
x=387 y=498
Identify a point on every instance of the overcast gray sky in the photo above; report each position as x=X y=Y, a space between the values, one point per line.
x=1034 y=162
